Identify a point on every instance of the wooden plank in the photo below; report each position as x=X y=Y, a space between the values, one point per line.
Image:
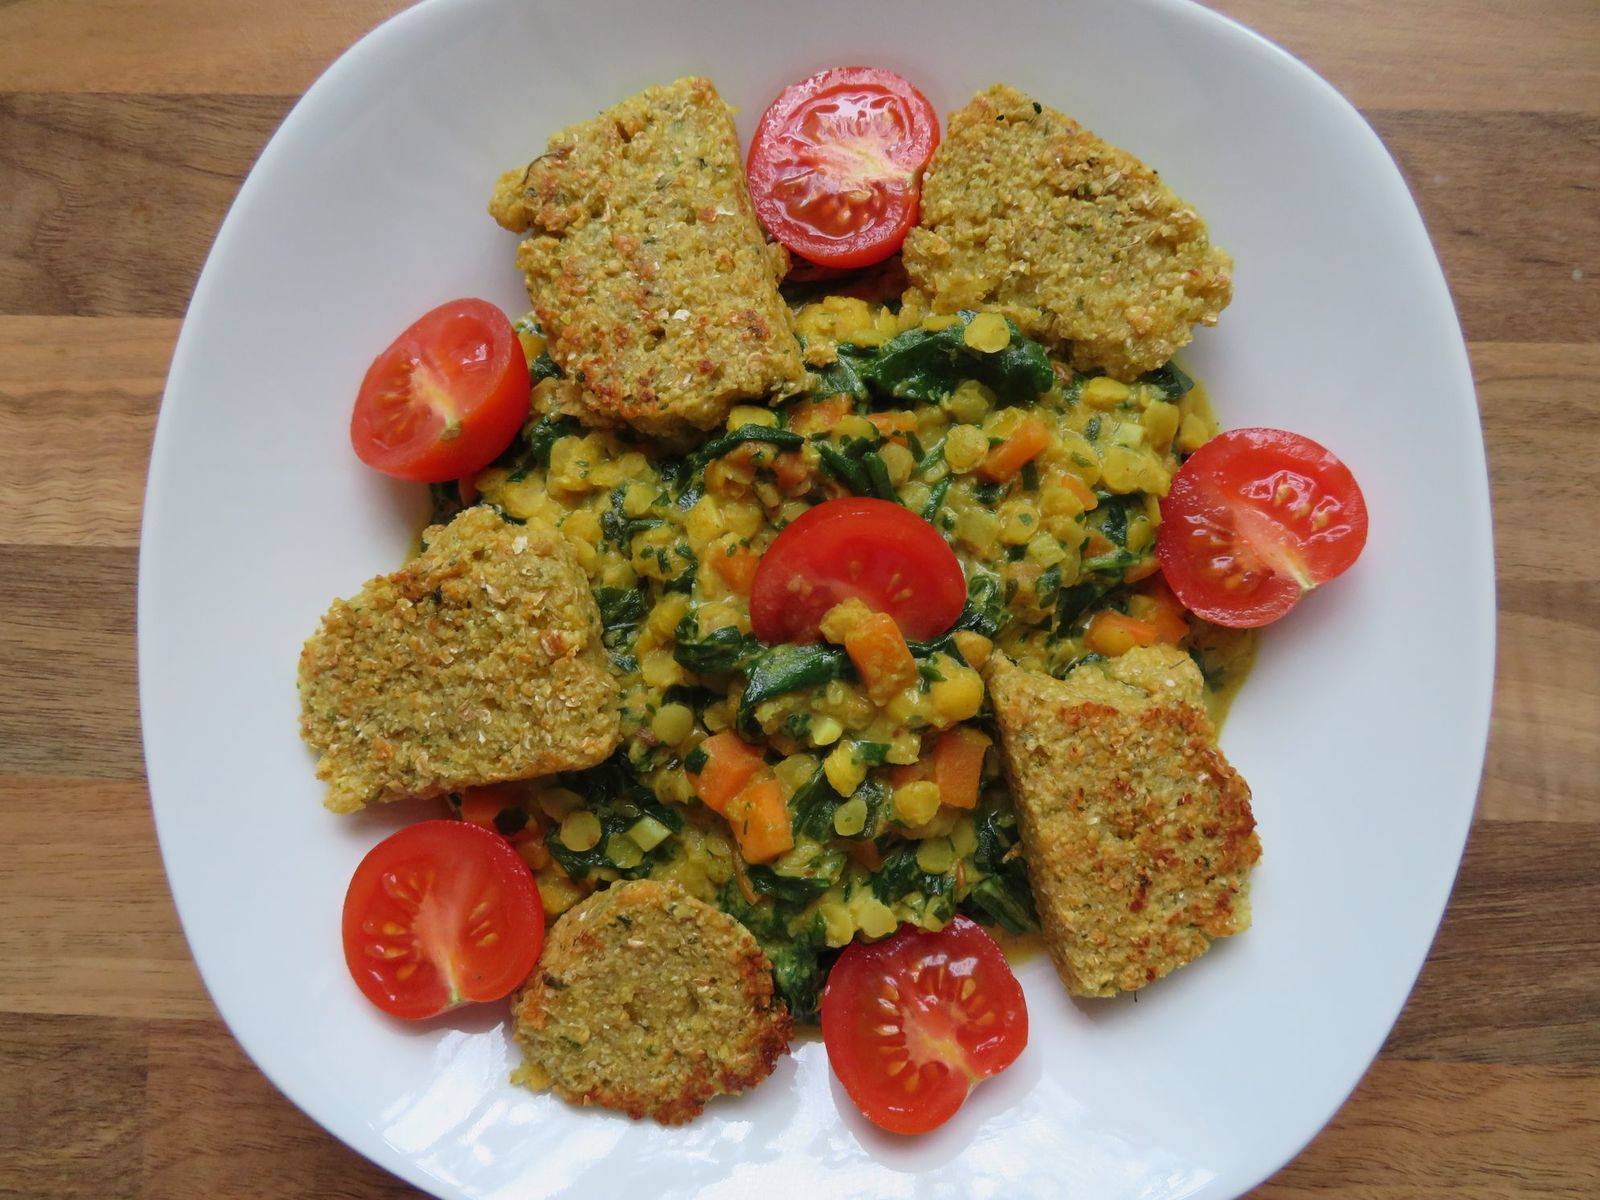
x=111 y=202
x=1514 y=976
x=66 y=650
x=87 y=911
x=1472 y=56
x=78 y=400
x=178 y=46
x=1431 y=1131
x=74 y=1098
x=1509 y=198
x=1437 y=54
x=215 y=1128
x=1538 y=405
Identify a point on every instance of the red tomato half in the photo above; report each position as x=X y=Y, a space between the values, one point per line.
x=1255 y=519
x=445 y=398
x=836 y=165
x=440 y=914
x=914 y=1022
x=874 y=550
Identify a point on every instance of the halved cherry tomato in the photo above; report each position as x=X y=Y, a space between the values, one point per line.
x=836 y=165
x=440 y=914
x=874 y=550
x=914 y=1022
x=445 y=398
x=1255 y=519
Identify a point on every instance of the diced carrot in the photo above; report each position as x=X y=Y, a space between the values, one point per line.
x=1112 y=633
x=730 y=763
x=1078 y=488
x=793 y=473
x=958 y=765
x=738 y=569
x=1158 y=607
x=1097 y=544
x=819 y=416
x=481 y=805
x=1027 y=441
x=1141 y=570
x=879 y=651
x=891 y=423
x=760 y=819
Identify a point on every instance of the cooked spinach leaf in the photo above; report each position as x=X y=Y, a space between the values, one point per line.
x=720 y=650
x=926 y=365
x=1002 y=895
x=778 y=670
x=1171 y=379
x=615 y=796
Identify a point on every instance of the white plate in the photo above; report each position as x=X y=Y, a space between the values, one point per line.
x=1361 y=730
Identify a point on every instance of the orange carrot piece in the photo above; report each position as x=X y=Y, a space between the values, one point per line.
x=889 y=424
x=1112 y=633
x=760 y=819
x=730 y=763
x=958 y=765
x=879 y=651
x=1078 y=488
x=738 y=570
x=1163 y=611
x=1027 y=441
x=792 y=472
x=819 y=416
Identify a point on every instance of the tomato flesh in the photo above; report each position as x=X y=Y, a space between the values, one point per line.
x=445 y=398
x=872 y=550
x=1255 y=519
x=836 y=165
x=913 y=1023
x=440 y=914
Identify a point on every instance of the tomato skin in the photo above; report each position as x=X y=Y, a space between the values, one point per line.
x=445 y=397
x=1255 y=519
x=874 y=550
x=410 y=938
x=899 y=1003
x=835 y=168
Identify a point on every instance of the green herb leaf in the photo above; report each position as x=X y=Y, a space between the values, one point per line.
x=778 y=670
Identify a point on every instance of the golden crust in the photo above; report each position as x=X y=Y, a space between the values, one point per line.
x=650 y=1002
x=1026 y=212
x=1138 y=834
x=646 y=265
x=477 y=662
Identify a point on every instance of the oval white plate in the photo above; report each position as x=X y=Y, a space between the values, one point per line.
x=1362 y=729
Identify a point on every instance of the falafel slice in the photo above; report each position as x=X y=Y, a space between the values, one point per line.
x=650 y=1002
x=1027 y=212
x=477 y=662
x=1138 y=834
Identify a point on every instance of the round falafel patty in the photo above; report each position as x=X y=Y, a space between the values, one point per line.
x=650 y=1002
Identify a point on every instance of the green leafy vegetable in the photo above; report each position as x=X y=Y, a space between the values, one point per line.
x=621 y=610
x=1001 y=896
x=792 y=942
x=1171 y=380
x=812 y=806
x=778 y=670
x=925 y=366
x=900 y=876
x=721 y=650
x=616 y=797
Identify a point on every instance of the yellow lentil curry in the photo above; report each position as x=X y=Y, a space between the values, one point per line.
x=903 y=405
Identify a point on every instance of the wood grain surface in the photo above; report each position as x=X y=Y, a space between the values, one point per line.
x=125 y=130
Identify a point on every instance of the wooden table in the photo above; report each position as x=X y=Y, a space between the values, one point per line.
x=125 y=130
